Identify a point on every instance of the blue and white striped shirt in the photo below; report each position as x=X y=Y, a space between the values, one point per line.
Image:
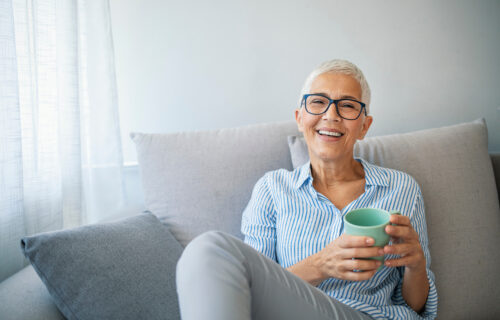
x=288 y=220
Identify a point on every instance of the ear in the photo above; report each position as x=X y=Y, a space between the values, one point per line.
x=366 y=125
x=298 y=119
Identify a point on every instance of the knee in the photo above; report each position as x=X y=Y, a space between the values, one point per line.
x=205 y=243
x=217 y=238
x=203 y=253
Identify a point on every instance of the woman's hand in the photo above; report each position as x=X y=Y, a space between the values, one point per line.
x=336 y=259
x=405 y=243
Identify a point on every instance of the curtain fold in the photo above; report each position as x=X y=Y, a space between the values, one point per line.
x=11 y=171
x=60 y=152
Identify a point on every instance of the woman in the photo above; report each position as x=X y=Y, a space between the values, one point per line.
x=295 y=219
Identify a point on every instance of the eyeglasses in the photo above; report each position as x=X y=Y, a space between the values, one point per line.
x=348 y=109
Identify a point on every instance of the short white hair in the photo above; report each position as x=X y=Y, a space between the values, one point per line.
x=342 y=67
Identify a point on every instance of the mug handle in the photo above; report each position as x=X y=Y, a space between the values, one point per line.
x=394 y=212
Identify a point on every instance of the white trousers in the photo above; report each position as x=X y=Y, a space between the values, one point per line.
x=219 y=277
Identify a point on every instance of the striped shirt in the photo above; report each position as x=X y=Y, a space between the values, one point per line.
x=288 y=220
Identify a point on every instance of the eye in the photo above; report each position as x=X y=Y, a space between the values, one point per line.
x=318 y=101
x=348 y=105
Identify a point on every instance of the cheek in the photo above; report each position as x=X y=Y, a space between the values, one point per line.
x=355 y=133
x=309 y=122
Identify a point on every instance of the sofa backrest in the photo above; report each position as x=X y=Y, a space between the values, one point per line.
x=200 y=181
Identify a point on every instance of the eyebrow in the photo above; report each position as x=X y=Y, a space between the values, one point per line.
x=341 y=97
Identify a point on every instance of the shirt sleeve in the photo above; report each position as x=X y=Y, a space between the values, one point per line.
x=418 y=222
x=258 y=223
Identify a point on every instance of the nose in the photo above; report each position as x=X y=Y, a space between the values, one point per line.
x=331 y=114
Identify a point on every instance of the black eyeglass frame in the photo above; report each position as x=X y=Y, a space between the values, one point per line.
x=335 y=102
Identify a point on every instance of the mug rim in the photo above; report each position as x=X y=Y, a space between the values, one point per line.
x=374 y=226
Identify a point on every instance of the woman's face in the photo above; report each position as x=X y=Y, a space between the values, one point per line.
x=331 y=148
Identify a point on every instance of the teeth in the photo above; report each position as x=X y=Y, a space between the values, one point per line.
x=329 y=133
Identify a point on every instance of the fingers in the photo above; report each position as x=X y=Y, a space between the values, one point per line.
x=410 y=255
x=348 y=241
x=400 y=220
x=362 y=252
x=401 y=249
x=344 y=255
x=411 y=261
x=361 y=264
x=398 y=262
x=404 y=232
x=365 y=269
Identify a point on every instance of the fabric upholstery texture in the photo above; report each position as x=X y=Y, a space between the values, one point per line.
x=117 y=270
x=454 y=170
x=24 y=296
x=200 y=181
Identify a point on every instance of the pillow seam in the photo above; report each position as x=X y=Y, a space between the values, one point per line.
x=49 y=284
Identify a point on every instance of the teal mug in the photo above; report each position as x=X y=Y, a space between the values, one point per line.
x=369 y=222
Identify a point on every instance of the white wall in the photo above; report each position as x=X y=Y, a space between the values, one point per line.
x=192 y=65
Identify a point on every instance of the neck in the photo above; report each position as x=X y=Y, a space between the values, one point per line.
x=328 y=174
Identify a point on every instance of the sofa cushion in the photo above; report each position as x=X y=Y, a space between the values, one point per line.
x=24 y=296
x=117 y=270
x=455 y=173
x=200 y=181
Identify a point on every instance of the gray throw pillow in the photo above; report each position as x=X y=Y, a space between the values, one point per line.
x=117 y=270
x=454 y=170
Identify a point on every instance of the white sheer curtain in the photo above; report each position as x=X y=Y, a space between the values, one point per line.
x=60 y=149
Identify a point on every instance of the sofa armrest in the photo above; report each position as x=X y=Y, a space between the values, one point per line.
x=495 y=160
x=24 y=296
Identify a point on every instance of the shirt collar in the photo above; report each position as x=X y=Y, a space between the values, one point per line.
x=374 y=175
x=304 y=174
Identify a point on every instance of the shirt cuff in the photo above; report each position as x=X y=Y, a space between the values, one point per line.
x=430 y=308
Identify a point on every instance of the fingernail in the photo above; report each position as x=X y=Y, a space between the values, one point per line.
x=369 y=241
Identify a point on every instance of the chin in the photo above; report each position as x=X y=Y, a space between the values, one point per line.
x=331 y=155
x=327 y=156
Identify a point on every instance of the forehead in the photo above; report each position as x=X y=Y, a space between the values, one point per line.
x=336 y=85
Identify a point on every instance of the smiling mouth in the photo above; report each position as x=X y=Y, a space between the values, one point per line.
x=330 y=133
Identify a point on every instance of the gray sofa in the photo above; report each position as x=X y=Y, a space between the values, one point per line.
x=201 y=181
